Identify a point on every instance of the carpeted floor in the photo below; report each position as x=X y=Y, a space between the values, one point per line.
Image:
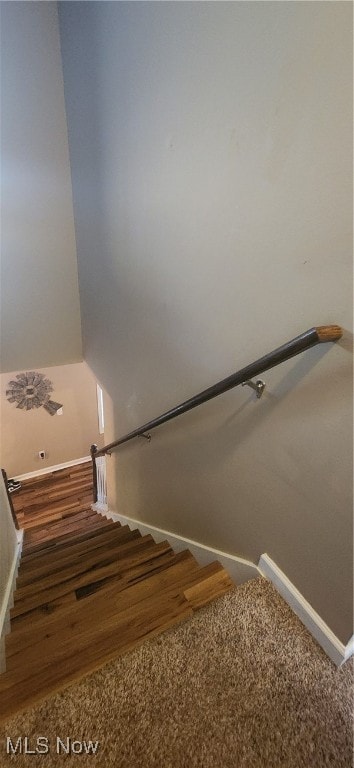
x=240 y=685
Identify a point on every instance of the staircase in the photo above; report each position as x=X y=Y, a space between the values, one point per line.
x=88 y=589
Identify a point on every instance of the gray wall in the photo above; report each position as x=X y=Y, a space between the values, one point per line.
x=40 y=312
x=211 y=159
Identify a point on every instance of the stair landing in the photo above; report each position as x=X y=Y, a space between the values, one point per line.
x=89 y=590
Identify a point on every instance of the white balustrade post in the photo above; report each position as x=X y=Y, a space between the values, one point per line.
x=101 y=503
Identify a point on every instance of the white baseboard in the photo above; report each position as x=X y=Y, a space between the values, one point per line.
x=7 y=599
x=54 y=468
x=349 y=649
x=312 y=621
x=239 y=570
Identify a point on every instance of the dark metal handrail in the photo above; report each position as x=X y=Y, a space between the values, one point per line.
x=306 y=340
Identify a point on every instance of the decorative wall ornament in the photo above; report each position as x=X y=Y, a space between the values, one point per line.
x=32 y=390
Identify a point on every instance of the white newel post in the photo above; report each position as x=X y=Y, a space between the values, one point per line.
x=101 y=503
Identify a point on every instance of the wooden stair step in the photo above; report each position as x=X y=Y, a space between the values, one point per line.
x=134 y=553
x=61 y=545
x=22 y=688
x=92 y=561
x=54 y=480
x=37 y=490
x=67 y=516
x=53 y=492
x=89 y=647
x=72 y=591
x=24 y=502
x=30 y=504
x=213 y=586
x=57 y=475
x=51 y=514
x=45 y=517
x=40 y=614
x=69 y=502
x=76 y=526
x=182 y=570
x=58 y=567
x=57 y=543
x=70 y=550
x=182 y=576
x=88 y=589
x=111 y=586
x=38 y=532
x=78 y=632
x=68 y=490
x=52 y=526
x=42 y=493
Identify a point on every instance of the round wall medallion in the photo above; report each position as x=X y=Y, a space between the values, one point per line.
x=31 y=390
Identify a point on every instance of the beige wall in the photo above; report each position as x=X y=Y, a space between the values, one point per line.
x=211 y=153
x=65 y=437
x=40 y=313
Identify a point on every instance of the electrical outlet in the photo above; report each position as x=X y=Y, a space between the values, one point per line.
x=41 y=454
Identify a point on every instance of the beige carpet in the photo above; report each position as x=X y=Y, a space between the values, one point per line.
x=240 y=685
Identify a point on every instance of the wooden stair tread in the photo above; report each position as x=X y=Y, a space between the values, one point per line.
x=36 y=488
x=43 y=615
x=56 y=527
x=58 y=569
x=54 y=512
x=56 y=542
x=52 y=493
x=56 y=478
x=112 y=601
x=52 y=601
x=183 y=573
x=71 y=550
x=133 y=554
x=72 y=528
x=53 y=654
x=88 y=589
x=30 y=511
x=89 y=648
x=30 y=502
x=40 y=495
x=86 y=565
x=17 y=693
x=39 y=531
x=57 y=475
x=59 y=544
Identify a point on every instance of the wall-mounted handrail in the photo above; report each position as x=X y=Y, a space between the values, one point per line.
x=310 y=338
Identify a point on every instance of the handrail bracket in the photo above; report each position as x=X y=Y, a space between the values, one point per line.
x=258 y=386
